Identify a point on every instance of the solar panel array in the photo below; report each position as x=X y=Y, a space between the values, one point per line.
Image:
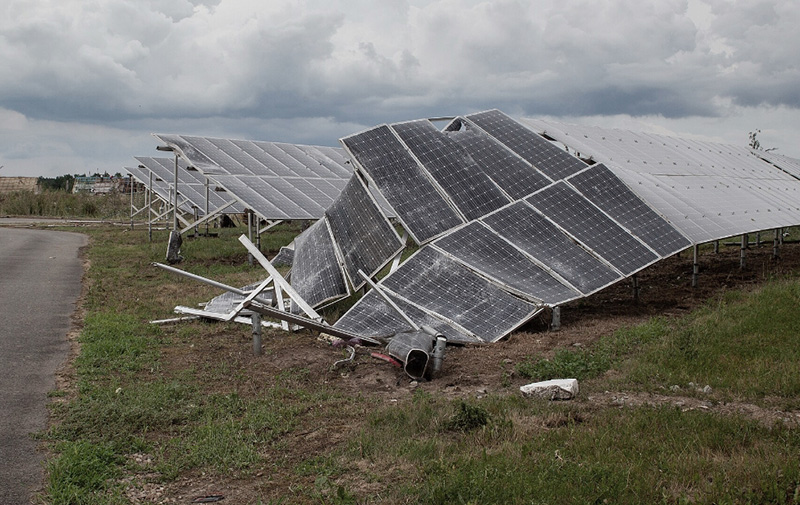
x=493 y=254
x=276 y=180
x=706 y=190
x=162 y=189
x=789 y=165
x=191 y=184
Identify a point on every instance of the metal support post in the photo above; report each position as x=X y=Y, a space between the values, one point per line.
x=742 y=262
x=207 y=197
x=175 y=198
x=716 y=247
x=250 y=234
x=255 y=318
x=196 y=218
x=130 y=181
x=555 y=322
x=695 y=266
x=150 y=210
x=776 y=243
x=635 y=288
x=758 y=239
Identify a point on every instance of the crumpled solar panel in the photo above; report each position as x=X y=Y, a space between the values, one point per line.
x=494 y=253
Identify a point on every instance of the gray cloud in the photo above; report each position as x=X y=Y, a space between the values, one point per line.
x=308 y=71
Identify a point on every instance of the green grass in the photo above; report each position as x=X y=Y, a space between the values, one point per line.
x=65 y=205
x=428 y=448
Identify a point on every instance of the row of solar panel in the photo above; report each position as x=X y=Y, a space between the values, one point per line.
x=707 y=190
x=276 y=180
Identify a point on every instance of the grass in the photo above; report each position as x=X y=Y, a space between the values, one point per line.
x=65 y=205
x=428 y=448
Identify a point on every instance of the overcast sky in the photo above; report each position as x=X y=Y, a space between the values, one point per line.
x=85 y=82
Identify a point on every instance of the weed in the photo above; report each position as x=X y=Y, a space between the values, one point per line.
x=468 y=417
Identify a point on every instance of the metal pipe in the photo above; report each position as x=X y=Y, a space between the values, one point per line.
x=201 y=279
x=255 y=318
x=555 y=322
x=695 y=266
x=322 y=327
x=413 y=349
x=635 y=287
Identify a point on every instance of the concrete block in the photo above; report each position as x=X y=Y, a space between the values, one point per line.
x=556 y=389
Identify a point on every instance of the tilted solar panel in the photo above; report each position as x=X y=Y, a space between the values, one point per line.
x=366 y=239
x=430 y=279
x=316 y=273
x=418 y=204
x=572 y=212
x=600 y=186
x=470 y=190
x=509 y=171
x=481 y=250
x=549 y=159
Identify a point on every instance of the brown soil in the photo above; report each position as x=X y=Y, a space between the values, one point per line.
x=225 y=363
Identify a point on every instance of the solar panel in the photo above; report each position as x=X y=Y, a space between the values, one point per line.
x=487 y=253
x=707 y=190
x=191 y=185
x=261 y=197
x=510 y=172
x=552 y=161
x=432 y=280
x=372 y=316
x=366 y=239
x=468 y=187
x=600 y=186
x=419 y=206
x=572 y=212
x=530 y=232
x=276 y=180
x=316 y=274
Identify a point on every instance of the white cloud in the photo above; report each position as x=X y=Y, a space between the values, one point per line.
x=245 y=68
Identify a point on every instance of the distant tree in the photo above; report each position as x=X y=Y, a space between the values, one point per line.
x=755 y=144
x=60 y=183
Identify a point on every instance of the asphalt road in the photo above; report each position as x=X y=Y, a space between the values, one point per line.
x=40 y=281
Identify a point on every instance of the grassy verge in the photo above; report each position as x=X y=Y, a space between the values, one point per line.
x=150 y=408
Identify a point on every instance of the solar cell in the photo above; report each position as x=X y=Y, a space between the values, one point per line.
x=573 y=213
x=371 y=316
x=419 y=206
x=549 y=159
x=366 y=239
x=432 y=280
x=600 y=186
x=511 y=173
x=316 y=274
x=472 y=192
x=539 y=238
x=487 y=253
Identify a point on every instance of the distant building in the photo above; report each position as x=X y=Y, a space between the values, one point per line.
x=101 y=185
x=14 y=184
